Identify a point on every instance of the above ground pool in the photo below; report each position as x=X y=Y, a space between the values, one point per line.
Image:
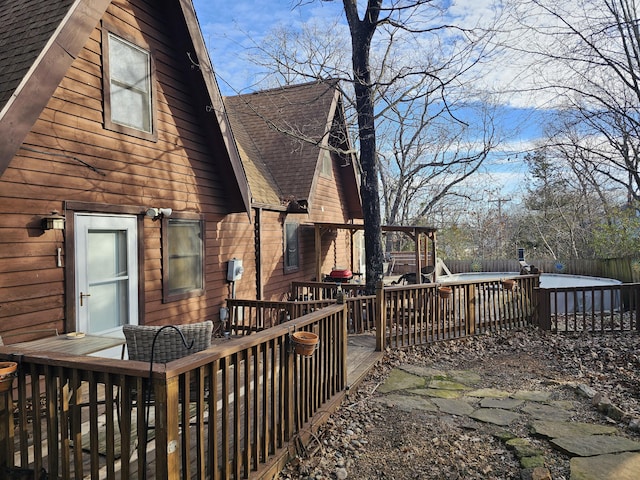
x=587 y=301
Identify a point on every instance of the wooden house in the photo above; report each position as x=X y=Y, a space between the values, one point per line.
x=123 y=195
x=111 y=117
x=302 y=171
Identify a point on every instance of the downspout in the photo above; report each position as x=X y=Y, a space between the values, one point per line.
x=258 y=242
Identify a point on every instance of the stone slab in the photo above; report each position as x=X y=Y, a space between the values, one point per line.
x=489 y=393
x=465 y=377
x=553 y=429
x=434 y=392
x=506 y=403
x=591 y=445
x=453 y=406
x=523 y=448
x=421 y=371
x=401 y=380
x=444 y=384
x=532 y=395
x=407 y=403
x=621 y=466
x=496 y=416
x=546 y=412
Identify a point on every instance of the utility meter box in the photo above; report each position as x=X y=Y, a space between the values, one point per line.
x=234 y=270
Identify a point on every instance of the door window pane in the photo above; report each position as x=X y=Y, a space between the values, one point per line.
x=108 y=279
x=108 y=306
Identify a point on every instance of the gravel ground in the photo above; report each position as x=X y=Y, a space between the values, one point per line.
x=366 y=440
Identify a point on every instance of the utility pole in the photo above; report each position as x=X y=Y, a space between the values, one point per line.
x=500 y=201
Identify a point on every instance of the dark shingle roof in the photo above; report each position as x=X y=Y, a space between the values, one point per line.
x=27 y=25
x=278 y=132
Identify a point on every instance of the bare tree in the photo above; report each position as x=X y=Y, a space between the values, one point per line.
x=408 y=67
x=592 y=49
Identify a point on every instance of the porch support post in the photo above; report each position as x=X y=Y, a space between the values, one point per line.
x=381 y=317
x=351 y=233
x=416 y=236
x=318 y=245
x=258 y=253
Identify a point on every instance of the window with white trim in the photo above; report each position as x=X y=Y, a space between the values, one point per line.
x=128 y=83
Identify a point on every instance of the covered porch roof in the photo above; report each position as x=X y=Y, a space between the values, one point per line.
x=415 y=232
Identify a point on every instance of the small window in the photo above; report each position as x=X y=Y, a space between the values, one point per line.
x=182 y=258
x=291 y=259
x=128 y=83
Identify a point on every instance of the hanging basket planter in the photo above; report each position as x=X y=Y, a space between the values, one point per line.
x=7 y=374
x=445 y=292
x=509 y=285
x=304 y=343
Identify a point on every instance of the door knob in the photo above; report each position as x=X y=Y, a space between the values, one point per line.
x=82 y=295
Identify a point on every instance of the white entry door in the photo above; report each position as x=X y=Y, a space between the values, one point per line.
x=106 y=273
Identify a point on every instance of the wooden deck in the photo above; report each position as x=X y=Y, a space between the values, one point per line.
x=361 y=357
x=106 y=461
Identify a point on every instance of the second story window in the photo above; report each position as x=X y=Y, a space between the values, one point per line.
x=128 y=85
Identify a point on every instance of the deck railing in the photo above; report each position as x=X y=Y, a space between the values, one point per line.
x=423 y=313
x=226 y=412
x=595 y=309
x=247 y=316
x=301 y=291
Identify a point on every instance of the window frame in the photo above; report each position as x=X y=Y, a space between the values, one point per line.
x=182 y=217
x=287 y=267
x=152 y=135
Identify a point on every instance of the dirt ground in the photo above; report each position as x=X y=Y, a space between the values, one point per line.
x=366 y=440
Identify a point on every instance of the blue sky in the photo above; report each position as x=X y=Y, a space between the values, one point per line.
x=231 y=28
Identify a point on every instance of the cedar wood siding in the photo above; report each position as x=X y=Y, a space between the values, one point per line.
x=328 y=196
x=178 y=171
x=328 y=206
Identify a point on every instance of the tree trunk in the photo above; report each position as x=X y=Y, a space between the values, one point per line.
x=361 y=35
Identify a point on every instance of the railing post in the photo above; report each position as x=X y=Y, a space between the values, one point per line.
x=167 y=429
x=381 y=317
x=543 y=298
x=6 y=429
x=289 y=393
x=471 y=309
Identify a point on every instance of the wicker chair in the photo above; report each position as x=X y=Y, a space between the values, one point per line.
x=171 y=343
x=168 y=342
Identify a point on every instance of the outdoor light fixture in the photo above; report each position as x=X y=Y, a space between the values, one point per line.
x=158 y=212
x=55 y=221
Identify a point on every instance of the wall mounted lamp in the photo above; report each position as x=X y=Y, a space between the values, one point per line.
x=158 y=212
x=55 y=221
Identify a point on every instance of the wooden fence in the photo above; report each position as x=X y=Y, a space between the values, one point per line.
x=420 y=314
x=232 y=411
x=595 y=309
